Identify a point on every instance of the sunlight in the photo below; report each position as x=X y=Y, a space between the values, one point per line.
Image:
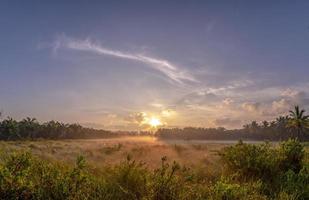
x=154 y=122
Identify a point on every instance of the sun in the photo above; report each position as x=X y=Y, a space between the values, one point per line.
x=154 y=122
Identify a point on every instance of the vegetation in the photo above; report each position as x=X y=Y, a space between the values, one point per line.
x=30 y=128
x=298 y=121
x=249 y=172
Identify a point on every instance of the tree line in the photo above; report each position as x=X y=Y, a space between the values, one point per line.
x=294 y=125
x=30 y=128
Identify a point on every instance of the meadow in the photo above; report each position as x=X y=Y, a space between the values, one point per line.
x=111 y=151
x=148 y=168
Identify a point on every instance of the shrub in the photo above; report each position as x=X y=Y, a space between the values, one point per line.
x=26 y=177
x=248 y=161
x=226 y=190
x=291 y=155
x=129 y=180
x=285 y=196
x=165 y=185
x=280 y=169
x=296 y=184
x=14 y=176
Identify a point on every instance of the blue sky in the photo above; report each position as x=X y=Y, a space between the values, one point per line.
x=114 y=64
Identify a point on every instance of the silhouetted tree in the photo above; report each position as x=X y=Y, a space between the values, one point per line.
x=28 y=127
x=9 y=129
x=281 y=126
x=298 y=121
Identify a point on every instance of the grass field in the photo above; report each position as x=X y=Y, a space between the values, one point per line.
x=112 y=151
x=102 y=152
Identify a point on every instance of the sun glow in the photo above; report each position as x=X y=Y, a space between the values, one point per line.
x=154 y=122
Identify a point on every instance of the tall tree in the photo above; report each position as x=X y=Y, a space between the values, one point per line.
x=29 y=128
x=281 y=127
x=9 y=129
x=298 y=121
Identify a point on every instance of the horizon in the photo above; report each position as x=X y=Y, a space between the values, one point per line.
x=135 y=66
x=150 y=127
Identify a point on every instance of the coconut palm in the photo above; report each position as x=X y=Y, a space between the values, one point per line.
x=28 y=127
x=281 y=126
x=255 y=127
x=9 y=129
x=298 y=121
x=265 y=124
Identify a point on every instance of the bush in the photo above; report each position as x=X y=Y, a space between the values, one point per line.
x=226 y=190
x=26 y=177
x=15 y=180
x=166 y=184
x=248 y=161
x=291 y=155
x=129 y=180
x=296 y=184
x=281 y=170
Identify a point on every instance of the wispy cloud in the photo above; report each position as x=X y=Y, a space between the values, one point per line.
x=170 y=70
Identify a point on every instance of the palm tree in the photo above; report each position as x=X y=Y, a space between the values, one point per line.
x=281 y=126
x=9 y=129
x=265 y=124
x=255 y=127
x=28 y=127
x=298 y=121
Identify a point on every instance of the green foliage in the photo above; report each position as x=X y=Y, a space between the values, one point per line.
x=14 y=176
x=226 y=190
x=26 y=177
x=291 y=155
x=285 y=196
x=298 y=122
x=248 y=161
x=9 y=129
x=129 y=180
x=296 y=184
x=166 y=185
x=280 y=170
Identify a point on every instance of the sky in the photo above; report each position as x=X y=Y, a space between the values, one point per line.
x=119 y=64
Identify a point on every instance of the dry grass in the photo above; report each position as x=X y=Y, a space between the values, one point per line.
x=111 y=151
x=103 y=152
